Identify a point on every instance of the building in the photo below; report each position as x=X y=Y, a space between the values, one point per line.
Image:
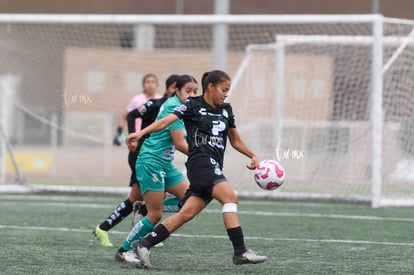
x=389 y=8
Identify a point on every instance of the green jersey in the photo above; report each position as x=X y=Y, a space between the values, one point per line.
x=159 y=145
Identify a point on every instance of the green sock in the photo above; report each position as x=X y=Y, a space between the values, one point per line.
x=140 y=229
x=171 y=205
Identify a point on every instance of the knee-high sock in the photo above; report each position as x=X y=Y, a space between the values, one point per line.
x=171 y=205
x=237 y=239
x=140 y=229
x=120 y=212
x=159 y=234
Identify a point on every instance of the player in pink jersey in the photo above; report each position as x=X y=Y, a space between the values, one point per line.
x=150 y=85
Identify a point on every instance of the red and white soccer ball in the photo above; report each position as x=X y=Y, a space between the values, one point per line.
x=269 y=174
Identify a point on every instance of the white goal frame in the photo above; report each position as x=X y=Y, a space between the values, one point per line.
x=378 y=69
x=377 y=72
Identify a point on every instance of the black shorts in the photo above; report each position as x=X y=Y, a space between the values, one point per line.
x=203 y=173
x=132 y=159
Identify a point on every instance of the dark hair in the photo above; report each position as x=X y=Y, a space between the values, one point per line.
x=170 y=80
x=184 y=79
x=214 y=77
x=147 y=76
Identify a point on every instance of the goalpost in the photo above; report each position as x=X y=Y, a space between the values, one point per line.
x=378 y=70
x=8 y=88
x=376 y=126
x=329 y=96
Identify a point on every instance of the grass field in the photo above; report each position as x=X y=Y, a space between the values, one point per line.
x=51 y=234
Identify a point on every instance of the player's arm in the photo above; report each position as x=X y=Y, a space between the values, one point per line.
x=179 y=141
x=142 y=111
x=237 y=143
x=122 y=119
x=134 y=114
x=119 y=136
x=154 y=127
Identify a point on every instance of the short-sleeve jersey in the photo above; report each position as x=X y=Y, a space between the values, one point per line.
x=206 y=127
x=159 y=145
x=137 y=101
x=147 y=112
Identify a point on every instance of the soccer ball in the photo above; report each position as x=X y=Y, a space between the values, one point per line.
x=269 y=174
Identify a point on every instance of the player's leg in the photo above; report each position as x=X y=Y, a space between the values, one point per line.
x=173 y=179
x=147 y=223
x=170 y=205
x=120 y=212
x=192 y=206
x=225 y=195
x=123 y=209
x=175 y=184
x=151 y=178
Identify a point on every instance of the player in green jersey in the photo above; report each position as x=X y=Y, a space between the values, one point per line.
x=156 y=171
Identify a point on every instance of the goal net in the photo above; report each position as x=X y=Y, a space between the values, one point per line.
x=330 y=97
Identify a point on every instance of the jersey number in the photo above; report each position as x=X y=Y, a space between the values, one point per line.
x=218 y=126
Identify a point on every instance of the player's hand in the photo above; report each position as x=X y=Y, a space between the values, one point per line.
x=254 y=161
x=132 y=141
x=118 y=139
x=133 y=145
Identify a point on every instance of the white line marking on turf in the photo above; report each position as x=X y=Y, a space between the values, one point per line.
x=315 y=215
x=255 y=213
x=89 y=231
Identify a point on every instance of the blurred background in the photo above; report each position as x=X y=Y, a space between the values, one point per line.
x=389 y=8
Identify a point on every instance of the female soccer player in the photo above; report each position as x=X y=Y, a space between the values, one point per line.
x=155 y=171
x=145 y=114
x=208 y=122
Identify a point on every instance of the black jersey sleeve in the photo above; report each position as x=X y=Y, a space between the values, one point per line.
x=147 y=110
x=181 y=110
x=131 y=120
x=230 y=115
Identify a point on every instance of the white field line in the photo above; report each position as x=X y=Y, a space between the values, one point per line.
x=89 y=231
x=316 y=215
x=242 y=212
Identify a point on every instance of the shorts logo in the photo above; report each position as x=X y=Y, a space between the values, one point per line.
x=162 y=174
x=155 y=177
x=217 y=170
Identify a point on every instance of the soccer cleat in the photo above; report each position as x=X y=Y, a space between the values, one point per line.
x=102 y=236
x=139 y=211
x=248 y=257
x=143 y=253
x=159 y=245
x=128 y=256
